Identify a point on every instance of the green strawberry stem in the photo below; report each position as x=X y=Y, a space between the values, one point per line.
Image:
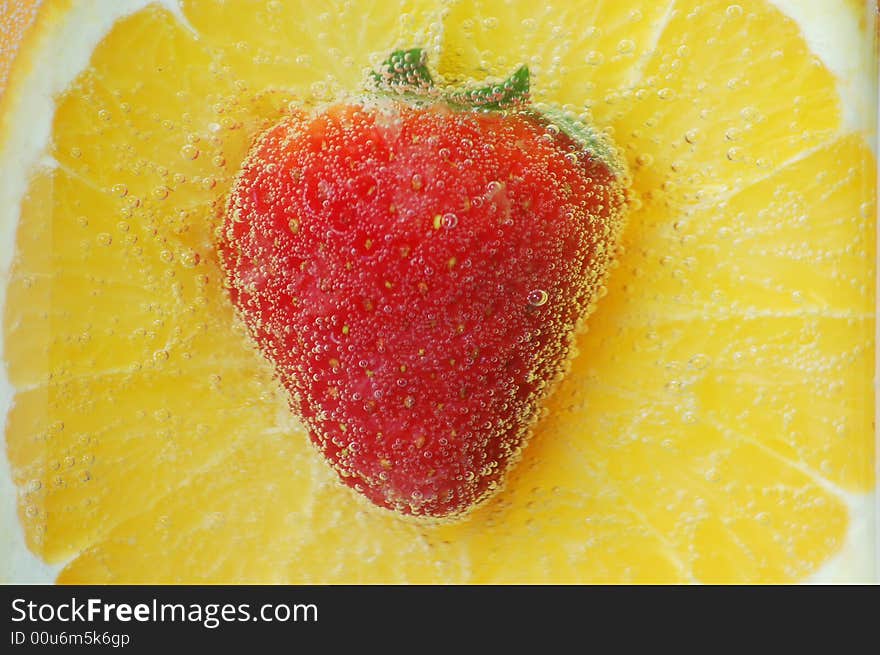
x=405 y=72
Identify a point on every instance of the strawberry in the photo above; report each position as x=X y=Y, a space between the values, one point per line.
x=415 y=263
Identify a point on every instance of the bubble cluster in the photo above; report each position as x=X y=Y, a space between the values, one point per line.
x=403 y=296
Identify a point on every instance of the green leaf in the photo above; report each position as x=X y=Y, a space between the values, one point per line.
x=404 y=70
x=405 y=73
x=512 y=92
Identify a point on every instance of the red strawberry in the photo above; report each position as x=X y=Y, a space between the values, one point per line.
x=415 y=263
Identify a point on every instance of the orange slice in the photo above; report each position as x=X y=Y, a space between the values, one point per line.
x=717 y=423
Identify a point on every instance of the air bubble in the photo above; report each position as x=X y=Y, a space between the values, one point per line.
x=119 y=190
x=449 y=220
x=537 y=297
x=626 y=46
x=189 y=151
x=699 y=362
x=320 y=89
x=105 y=239
x=749 y=114
x=594 y=58
x=644 y=159
x=189 y=259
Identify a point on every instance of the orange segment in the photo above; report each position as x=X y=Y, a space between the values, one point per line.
x=768 y=291
x=313 y=47
x=126 y=122
x=709 y=116
x=577 y=52
x=248 y=525
x=270 y=512
x=76 y=266
x=798 y=240
x=83 y=471
x=683 y=85
x=121 y=338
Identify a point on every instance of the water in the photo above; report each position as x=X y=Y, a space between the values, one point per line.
x=674 y=354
